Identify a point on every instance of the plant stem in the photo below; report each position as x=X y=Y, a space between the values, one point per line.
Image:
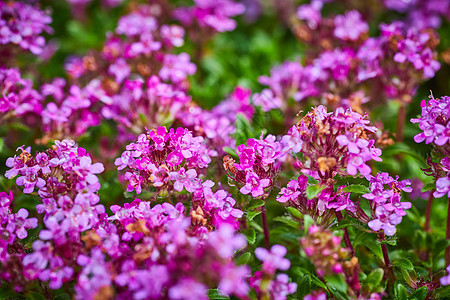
x=447 y=236
x=401 y=121
x=428 y=212
x=265 y=228
x=347 y=241
x=387 y=261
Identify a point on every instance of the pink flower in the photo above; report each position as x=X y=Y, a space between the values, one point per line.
x=254 y=185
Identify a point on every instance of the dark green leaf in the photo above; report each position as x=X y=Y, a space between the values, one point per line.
x=34 y=296
x=251 y=235
x=243 y=259
x=356 y=188
x=373 y=280
x=401 y=292
x=304 y=286
x=313 y=190
x=288 y=221
x=230 y=151
x=256 y=203
x=428 y=187
x=214 y=294
x=295 y=213
x=307 y=222
x=420 y=293
x=404 y=264
x=252 y=214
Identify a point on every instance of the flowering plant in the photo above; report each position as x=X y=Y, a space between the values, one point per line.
x=187 y=150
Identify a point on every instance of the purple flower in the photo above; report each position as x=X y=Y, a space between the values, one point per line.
x=350 y=26
x=21 y=223
x=30 y=180
x=383 y=221
x=445 y=280
x=254 y=185
x=233 y=280
x=290 y=192
x=273 y=259
x=57 y=273
x=226 y=242
x=187 y=288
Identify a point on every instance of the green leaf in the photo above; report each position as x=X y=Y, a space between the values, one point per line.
x=312 y=180
x=373 y=280
x=2 y=145
x=230 y=151
x=308 y=221
x=441 y=293
x=214 y=294
x=314 y=279
x=420 y=293
x=244 y=130
x=7 y=293
x=288 y=221
x=404 y=264
x=304 y=287
x=34 y=296
x=295 y=213
x=401 y=292
x=251 y=235
x=390 y=240
x=244 y=258
x=256 y=203
x=428 y=187
x=64 y=296
x=313 y=190
x=252 y=214
x=356 y=188
x=337 y=282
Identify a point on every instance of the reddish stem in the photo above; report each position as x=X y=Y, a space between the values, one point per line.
x=428 y=212
x=265 y=228
x=387 y=261
x=347 y=241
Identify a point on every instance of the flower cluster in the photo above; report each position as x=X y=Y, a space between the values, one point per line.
x=258 y=165
x=13 y=227
x=435 y=124
x=325 y=251
x=333 y=143
x=321 y=208
x=386 y=206
x=421 y=14
x=17 y=95
x=23 y=25
x=151 y=252
x=211 y=14
x=264 y=281
x=160 y=156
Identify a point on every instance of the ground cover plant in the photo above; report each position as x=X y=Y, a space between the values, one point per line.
x=224 y=149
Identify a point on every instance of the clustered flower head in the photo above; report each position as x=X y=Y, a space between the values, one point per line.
x=435 y=125
x=325 y=251
x=214 y=14
x=151 y=252
x=258 y=165
x=23 y=24
x=13 y=227
x=265 y=282
x=333 y=143
x=385 y=202
x=17 y=95
x=172 y=160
